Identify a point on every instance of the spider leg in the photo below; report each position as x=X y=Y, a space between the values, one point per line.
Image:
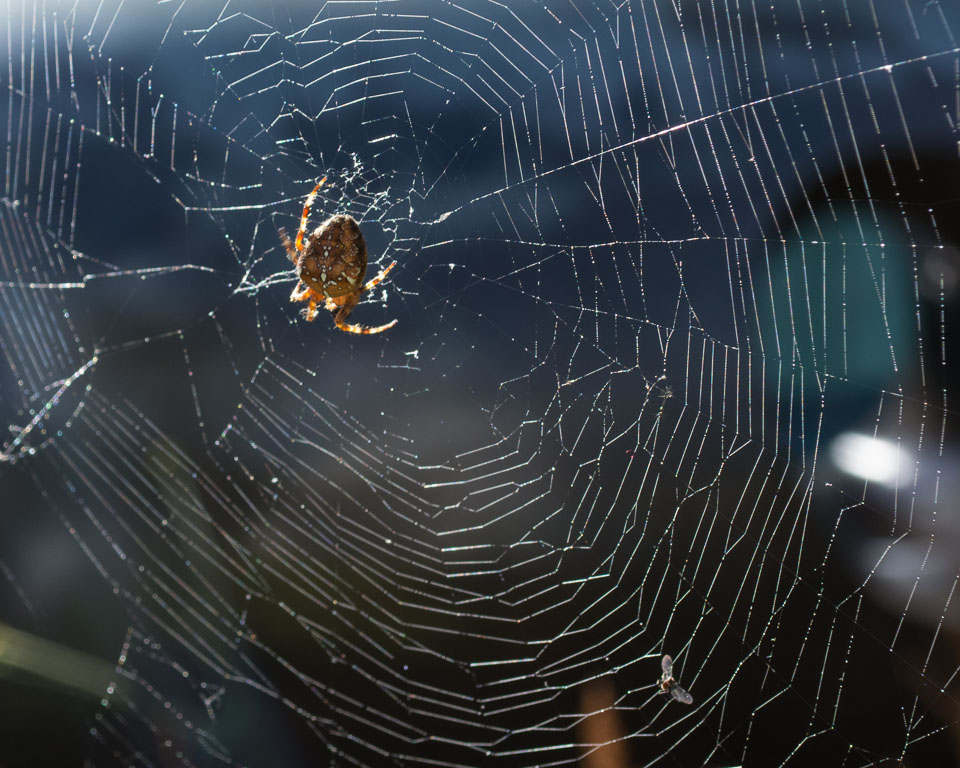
x=299 y=294
x=378 y=278
x=311 y=310
x=306 y=213
x=285 y=239
x=340 y=319
x=349 y=328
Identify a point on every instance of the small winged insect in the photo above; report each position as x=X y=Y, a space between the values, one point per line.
x=669 y=685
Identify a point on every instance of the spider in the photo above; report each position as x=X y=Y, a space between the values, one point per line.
x=669 y=685
x=331 y=266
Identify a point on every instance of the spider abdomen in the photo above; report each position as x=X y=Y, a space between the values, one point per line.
x=334 y=258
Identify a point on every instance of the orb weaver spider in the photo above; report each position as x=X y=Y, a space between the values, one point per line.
x=331 y=266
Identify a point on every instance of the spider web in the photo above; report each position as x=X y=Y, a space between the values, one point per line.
x=673 y=374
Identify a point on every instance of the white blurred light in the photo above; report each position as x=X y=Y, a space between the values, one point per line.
x=871 y=458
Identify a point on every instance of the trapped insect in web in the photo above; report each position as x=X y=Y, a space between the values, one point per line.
x=669 y=686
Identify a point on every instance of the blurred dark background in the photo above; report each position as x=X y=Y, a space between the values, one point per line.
x=674 y=372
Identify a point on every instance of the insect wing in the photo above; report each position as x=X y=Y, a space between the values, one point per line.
x=666 y=664
x=679 y=694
